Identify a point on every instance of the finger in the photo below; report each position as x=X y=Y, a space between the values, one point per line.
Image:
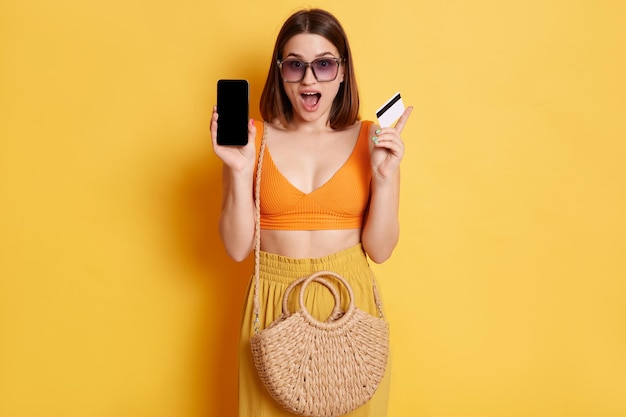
x=389 y=138
x=251 y=132
x=395 y=147
x=214 y=117
x=403 y=119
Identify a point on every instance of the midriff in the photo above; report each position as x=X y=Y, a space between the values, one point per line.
x=308 y=243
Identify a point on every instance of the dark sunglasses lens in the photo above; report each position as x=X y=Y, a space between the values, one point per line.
x=293 y=70
x=325 y=69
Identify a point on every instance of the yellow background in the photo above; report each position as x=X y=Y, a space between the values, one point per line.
x=505 y=294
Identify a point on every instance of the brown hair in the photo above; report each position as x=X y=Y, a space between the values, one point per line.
x=274 y=101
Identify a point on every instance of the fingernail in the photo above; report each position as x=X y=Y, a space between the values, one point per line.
x=375 y=139
x=378 y=131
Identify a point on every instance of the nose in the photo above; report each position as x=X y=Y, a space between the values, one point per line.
x=309 y=75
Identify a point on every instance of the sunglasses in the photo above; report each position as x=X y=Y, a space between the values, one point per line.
x=324 y=69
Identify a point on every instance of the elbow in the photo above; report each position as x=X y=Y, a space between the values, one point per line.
x=238 y=256
x=379 y=253
x=379 y=250
x=379 y=257
x=238 y=244
x=238 y=253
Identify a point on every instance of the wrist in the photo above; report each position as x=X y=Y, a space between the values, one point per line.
x=241 y=173
x=385 y=181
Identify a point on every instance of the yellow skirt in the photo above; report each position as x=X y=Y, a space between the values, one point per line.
x=276 y=273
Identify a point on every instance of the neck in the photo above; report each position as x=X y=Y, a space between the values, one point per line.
x=309 y=126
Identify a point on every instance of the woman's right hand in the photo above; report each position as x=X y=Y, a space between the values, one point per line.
x=237 y=158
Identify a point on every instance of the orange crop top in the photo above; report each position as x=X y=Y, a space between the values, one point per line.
x=340 y=203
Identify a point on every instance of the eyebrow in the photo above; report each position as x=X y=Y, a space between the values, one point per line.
x=316 y=56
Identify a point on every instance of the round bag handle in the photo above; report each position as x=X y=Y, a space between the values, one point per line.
x=343 y=317
x=335 y=314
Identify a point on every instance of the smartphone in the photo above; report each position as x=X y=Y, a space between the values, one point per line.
x=232 y=109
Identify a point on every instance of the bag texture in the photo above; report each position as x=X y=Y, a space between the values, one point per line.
x=322 y=369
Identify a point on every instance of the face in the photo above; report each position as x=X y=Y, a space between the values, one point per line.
x=311 y=99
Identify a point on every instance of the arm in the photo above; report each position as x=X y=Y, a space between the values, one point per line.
x=382 y=229
x=236 y=223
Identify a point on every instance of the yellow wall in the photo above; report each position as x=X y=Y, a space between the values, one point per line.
x=505 y=293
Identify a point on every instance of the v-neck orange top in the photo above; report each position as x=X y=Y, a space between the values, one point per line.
x=340 y=203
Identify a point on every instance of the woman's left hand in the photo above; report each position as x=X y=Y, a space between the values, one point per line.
x=389 y=148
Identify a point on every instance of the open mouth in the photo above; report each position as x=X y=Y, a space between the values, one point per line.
x=310 y=99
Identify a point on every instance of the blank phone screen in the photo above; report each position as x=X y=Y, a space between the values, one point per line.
x=232 y=110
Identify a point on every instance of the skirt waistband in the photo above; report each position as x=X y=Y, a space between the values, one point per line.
x=285 y=269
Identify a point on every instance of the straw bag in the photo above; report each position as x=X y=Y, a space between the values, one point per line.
x=314 y=368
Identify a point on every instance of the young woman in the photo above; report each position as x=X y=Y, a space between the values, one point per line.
x=329 y=191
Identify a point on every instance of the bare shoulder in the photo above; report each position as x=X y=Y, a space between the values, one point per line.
x=350 y=131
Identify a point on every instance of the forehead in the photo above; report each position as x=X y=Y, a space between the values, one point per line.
x=308 y=45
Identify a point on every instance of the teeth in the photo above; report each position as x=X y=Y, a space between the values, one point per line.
x=311 y=98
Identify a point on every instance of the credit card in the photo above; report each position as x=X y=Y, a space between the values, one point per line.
x=390 y=111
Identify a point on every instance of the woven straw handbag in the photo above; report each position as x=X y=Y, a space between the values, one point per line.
x=314 y=368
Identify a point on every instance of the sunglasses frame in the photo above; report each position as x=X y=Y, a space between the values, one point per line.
x=307 y=65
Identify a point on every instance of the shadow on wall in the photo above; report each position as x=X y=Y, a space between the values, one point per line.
x=197 y=196
x=213 y=360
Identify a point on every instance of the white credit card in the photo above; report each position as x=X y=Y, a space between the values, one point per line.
x=390 y=111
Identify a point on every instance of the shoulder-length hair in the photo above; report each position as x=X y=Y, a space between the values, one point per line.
x=274 y=101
